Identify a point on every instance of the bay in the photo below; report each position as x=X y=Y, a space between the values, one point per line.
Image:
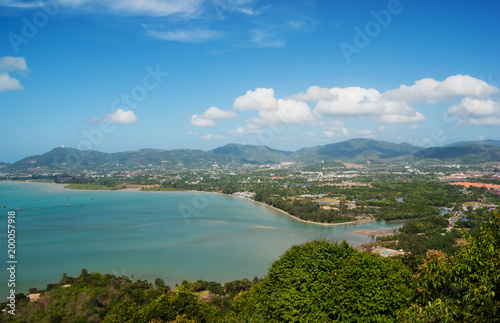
x=169 y=235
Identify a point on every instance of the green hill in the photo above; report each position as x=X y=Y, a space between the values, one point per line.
x=354 y=150
x=468 y=153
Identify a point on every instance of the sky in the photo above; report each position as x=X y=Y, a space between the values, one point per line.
x=120 y=75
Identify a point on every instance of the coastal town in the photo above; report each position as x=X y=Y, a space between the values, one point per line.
x=330 y=193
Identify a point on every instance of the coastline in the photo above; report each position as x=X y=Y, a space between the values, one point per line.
x=301 y=220
x=137 y=188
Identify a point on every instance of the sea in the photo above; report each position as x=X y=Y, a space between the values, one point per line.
x=145 y=235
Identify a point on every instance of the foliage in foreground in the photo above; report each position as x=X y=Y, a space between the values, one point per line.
x=323 y=282
x=318 y=281
x=464 y=288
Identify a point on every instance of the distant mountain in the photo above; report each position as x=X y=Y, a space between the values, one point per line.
x=466 y=153
x=74 y=159
x=354 y=150
x=253 y=154
x=488 y=142
x=61 y=159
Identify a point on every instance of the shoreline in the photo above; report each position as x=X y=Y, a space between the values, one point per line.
x=305 y=221
x=138 y=189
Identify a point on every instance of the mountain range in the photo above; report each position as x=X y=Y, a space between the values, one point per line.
x=353 y=150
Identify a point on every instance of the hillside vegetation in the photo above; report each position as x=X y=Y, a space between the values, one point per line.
x=319 y=281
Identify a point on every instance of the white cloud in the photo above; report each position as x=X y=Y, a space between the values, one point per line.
x=478 y=107
x=189 y=133
x=478 y=112
x=240 y=6
x=272 y=112
x=361 y=102
x=260 y=99
x=431 y=91
x=198 y=121
x=238 y=131
x=399 y=118
x=212 y=137
x=288 y=111
x=265 y=38
x=335 y=132
x=207 y=119
x=186 y=35
x=413 y=127
x=157 y=8
x=9 y=83
x=11 y=64
x=217 y=114
x=122 y=116
x=315 y=93
x=491 y=121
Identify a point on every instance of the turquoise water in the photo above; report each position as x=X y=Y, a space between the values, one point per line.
x=171 y=235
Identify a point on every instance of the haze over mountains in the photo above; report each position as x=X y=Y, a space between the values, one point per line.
x=354 y=150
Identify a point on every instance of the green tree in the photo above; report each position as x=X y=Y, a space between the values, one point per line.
x=161 y=286
x=322 y=281
x=464 y=288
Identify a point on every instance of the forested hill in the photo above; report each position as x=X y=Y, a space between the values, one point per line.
x=468 y=153
x=354 y=150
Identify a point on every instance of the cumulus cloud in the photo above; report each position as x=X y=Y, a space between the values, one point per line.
x=272 y=112
x=198 y=121
x=238 y=131
x=315 y=93
x=217 y=114
x=390 y=108
x=10 y=64
x=478 y=107
x=9 y=83
x=207 y=119
x=361 y=102
x=399 y=118
x=479 y=112
x=431 y=91
x=260 y=99
x=287 y=111
x=121 y=116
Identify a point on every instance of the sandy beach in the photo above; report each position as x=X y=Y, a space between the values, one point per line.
x=305 y=221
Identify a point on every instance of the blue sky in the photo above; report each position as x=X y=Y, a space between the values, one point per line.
x=123 y=75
